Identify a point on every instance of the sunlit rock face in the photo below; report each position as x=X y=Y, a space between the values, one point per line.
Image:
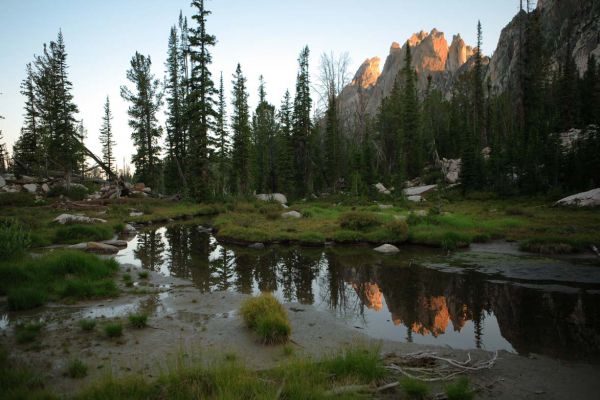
x=431 y=57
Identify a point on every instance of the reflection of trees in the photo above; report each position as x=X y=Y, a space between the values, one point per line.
x=223 y=269
x=297 y=271
x=150 y=249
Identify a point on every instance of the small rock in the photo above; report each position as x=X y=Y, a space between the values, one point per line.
x=117 y=243
x=147 y=190
x=420 y=213
x=291 y=214
x=418 y=190
x=204 y=229
x=136 y=214
x=129 y=229
x=382 y=189
x=30 y=187
x=385 y=206
x=45 y=188
x=80 y=219
x=387 y=249
x=256 y=246
x=278 y=197
x=415 y=198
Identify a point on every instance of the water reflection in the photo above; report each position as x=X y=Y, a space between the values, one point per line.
x=389 y=298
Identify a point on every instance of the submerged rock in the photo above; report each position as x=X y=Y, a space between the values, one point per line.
x=291 y=214
x=387 y=249
x=591 y=198
x=256 y=246
x=78 y=219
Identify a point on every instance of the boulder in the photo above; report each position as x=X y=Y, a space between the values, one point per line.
x=278 y=197
x=291 y=214
x=415 y=198
x=385 y=206
x=452 y=168
x=95 y=247
x=418 y=190
x=387 y=249
x=147 y=190
x=136 y=213
x=30 y=187
x=382 y=189
x=121 y=244
x=2 y=182
x=256 y=246
x=485 y=152
x=45 y=188
x=204 y=229
x=12 y=188
x=129 y=229
x=139 y=186
x=77 y=219
x=137 y=193
x=591 y=198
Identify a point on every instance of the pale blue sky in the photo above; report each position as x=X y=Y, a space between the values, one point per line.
x=265 y=36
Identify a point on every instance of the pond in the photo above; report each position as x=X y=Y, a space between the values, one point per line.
x=491 y=297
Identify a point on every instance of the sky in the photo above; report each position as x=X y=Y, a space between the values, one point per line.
x=264 y=36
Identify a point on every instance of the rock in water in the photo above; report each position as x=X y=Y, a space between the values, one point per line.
x=591 y=198
x=95 y=247
x=387 y=249
x=256 y=246
x=291 y=214
x=78 y=219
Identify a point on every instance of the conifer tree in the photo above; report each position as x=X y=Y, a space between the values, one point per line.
x=27 y=150
x=223 y=143
x=240 y=128
x=478 y=113
x=145 y=100
x=265 y=147
x=332 y=141
x=106 y=138
x=302 y=127
x=285 y=152
x=411 y=144
x=200 y=115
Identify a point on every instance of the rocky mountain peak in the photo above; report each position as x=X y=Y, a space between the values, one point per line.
x=368 y=73
x=458 y=53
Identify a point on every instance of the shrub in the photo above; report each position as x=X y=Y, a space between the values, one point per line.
x=459 y=390
x=75 y=192
x=345 y=236
x=77 y=369
x=13 y=239
x=267 y=317
x=138 y=320
x=80 y=233
x=25 y=298
x=113 y=330
x=399 y=230
x=26 y=333
x=143 y=274
x=119 y=227
x=359 y=220
x=453 y=240
x=414 y=388
x=414 y=219
x=87 y=325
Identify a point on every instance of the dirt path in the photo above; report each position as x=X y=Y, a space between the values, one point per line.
x=186 y=326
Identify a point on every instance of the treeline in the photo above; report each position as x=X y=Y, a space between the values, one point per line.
x=210 y=154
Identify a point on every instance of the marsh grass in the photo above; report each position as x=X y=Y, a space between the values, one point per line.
x=74 y=275
x=113 y=329
x=18 y=381
x=267 y=317
x=82 y=233
x=27 y=333
x=77 y=369
x=414 y=388
x=459 y=390
x=13 y=238
x=138 y=320
x=87 y=325
x=359 y=220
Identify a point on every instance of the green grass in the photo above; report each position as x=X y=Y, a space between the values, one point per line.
x=267 y=317
x=27 y=333
x=19 y=382
x=414 y=389
x=77 y=369
x=13 y=238
x=552 y=245
x=138 y=320
x=356 y=363
x=143 y=274
x=113 y=329
x=359 y=220
x=73 y=193
x=82 y=233
x=459 y=390
x=30 y=282
x=87 y=325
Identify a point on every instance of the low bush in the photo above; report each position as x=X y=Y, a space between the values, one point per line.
x=138 y=320
x=398 y=228
x=113 y=330
x=265 y=315
x=75 y=192
x=13 y=238
x=359 y=220
x=143 y=274
x=459 y=390
x=77 y=369
x=346 y=236
x=82 y=233
x=19 y=199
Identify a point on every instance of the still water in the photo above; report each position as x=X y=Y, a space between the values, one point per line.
x=485 y=299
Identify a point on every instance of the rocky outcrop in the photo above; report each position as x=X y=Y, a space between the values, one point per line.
x=77 y=219
x=278 y=197
x=591 y=198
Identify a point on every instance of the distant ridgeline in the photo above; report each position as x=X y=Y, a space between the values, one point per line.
x=524 y=120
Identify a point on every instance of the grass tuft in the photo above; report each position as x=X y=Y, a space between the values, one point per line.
x=113 y=330
x=138 y=320
x=13 y=238
x=362 y=364
x=82 y=233
x=459 y=390
x=265 y=315
x=87 y=325
x=27 y=333
x=359 y=220
x=414 y=388
x=77 y=369
x=143 y=274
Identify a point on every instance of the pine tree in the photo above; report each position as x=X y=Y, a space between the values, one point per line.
x=200 y=104
x=27 y=150
x=332 y=141
x=302 y=128
x=265 y=147
x=177 y=140
x=285 y=150
x=145 y=101
x=590 y=93
x=412 y=145
x=106 y=138
x=223 y=143
x=478 y=101
x=240 y=127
